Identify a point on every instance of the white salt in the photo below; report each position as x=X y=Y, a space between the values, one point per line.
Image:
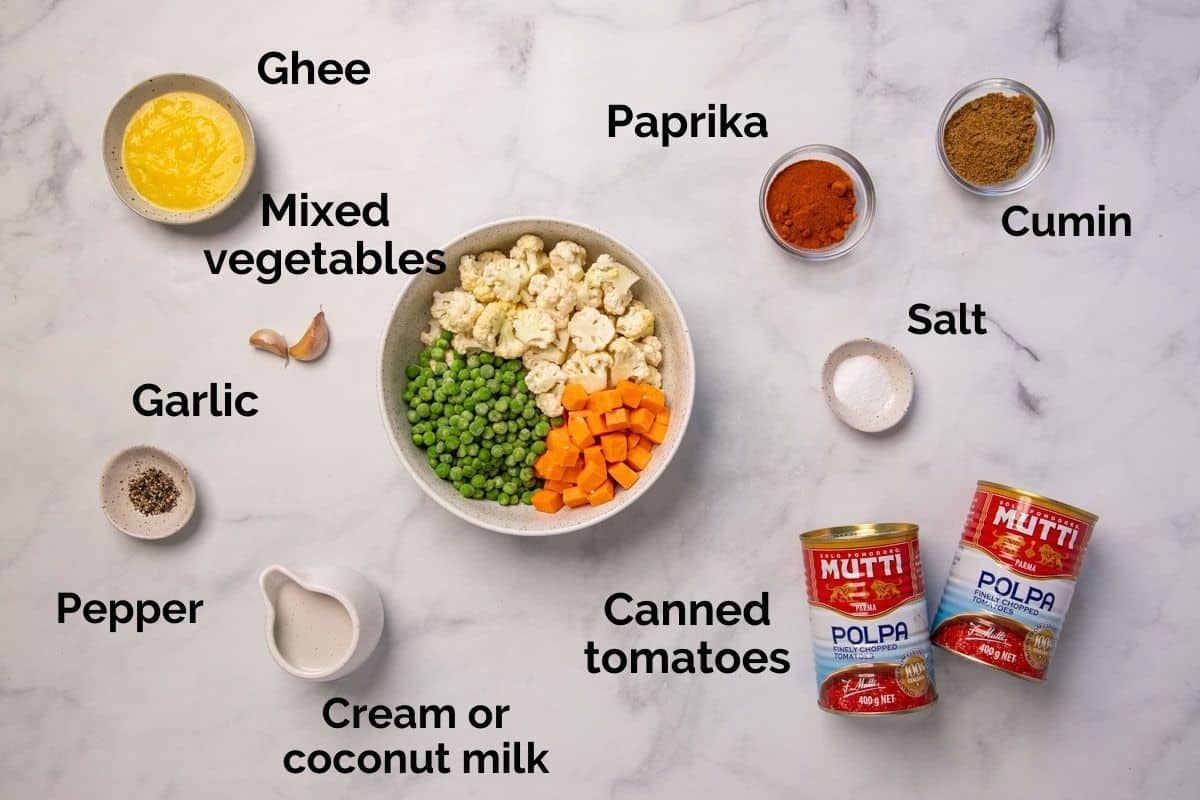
x=861 y=383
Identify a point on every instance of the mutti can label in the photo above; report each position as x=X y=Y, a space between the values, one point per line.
x=870 y=626
x=1012 y=579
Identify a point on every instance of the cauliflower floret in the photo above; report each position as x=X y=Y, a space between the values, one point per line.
x=537 y=285
x=556 y=353
x=629 y=362
x=503 y=279
x=509 y=345
x=550 y=403
x=558 y=296
x=462 y=343
x=430 y=336
x=616 y=281
x=456 y=311
x=590 y=370
x=652 y=348
x=526 y=244
x=534 y=327
x=588 y=296
x=638 y=321
x=591 y=330
x=470 y=270
x=567 y=259
x=543 y=376
x=653 y=378
x=487 y=326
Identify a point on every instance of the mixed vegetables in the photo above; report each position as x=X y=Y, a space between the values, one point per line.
x=539 y=381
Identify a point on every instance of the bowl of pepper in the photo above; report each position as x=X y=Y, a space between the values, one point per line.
x=995 y=137
x=817 y=202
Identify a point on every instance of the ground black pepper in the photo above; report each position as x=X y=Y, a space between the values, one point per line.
x=153 y=491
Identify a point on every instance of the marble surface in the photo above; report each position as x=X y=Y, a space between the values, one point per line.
x=1085 y=388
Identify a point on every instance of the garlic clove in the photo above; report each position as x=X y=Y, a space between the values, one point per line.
x=314 y=341
x=271 y=341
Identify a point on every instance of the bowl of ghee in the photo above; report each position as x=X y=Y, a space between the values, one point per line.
x=178 y=148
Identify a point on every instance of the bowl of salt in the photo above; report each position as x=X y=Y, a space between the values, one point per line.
x=868 y=385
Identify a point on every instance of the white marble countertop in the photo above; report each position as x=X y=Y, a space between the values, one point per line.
x=1086 y=388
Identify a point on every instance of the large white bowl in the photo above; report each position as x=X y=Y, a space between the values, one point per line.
x=402 y=343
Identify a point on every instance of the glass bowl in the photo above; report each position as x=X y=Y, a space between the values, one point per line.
x=1043 y=142
x=864 y=194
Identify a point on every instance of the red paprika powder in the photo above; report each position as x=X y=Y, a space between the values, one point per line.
x=811 y=204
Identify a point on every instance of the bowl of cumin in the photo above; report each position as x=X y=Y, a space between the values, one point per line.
x=995 y=136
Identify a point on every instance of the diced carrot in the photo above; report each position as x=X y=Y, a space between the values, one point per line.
x=641 y=420
x=557 y=439
x=574 y=397
x=595 y=421
x=617 y=419
x=663 y=416
x=631 y=394
x=555 y=473
x=571 y=474
x=658 y=433
x=547 y=501
x=631 y=441
x=594 y=457
x=544 y=464
x=592 y=477
x=652 y=398
x=602 y=494
x=577 y=428
x=558 y=486
x=563 y=456
x=622 y=474
x=574 y=497
x=639 y=456
x=604 y=400
x=614 y=446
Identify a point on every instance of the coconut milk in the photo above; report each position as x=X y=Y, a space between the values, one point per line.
x=313 y=630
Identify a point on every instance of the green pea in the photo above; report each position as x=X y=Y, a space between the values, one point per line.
x=527 y=498
x=541 y=430
x=412 y=371
x=466 y=491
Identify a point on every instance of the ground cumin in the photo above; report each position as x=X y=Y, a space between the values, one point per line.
x=811 y=204
x=990 y=138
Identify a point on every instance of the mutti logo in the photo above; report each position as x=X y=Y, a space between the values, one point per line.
x=1028 y=523
x=863 y=566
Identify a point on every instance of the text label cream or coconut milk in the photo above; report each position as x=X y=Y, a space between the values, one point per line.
x=870 y=627
x=1012 y=579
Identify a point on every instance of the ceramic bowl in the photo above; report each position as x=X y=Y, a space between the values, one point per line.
x=1043 y=141
x=899 y=377
x=114 y=497
x=402 y=342
x=114 y=133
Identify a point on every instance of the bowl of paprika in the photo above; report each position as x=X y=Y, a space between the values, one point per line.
x=817 y=202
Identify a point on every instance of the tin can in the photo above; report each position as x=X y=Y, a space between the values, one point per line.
x=1012 y=579
x=870 y=627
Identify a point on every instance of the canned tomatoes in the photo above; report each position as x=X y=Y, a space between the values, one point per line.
x=870 y=628
x=1012 y=579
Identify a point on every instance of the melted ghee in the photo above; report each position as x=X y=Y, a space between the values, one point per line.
x=183 y=151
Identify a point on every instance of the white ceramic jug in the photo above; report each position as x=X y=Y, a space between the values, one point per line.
x=322 y=621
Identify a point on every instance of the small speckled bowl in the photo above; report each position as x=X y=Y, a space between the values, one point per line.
x=900 y=379
x=114 y=493
x=114 y=134
x=402 y=343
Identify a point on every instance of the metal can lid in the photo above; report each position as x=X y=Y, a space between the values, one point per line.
x=870 y=533
x=1040 y=499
